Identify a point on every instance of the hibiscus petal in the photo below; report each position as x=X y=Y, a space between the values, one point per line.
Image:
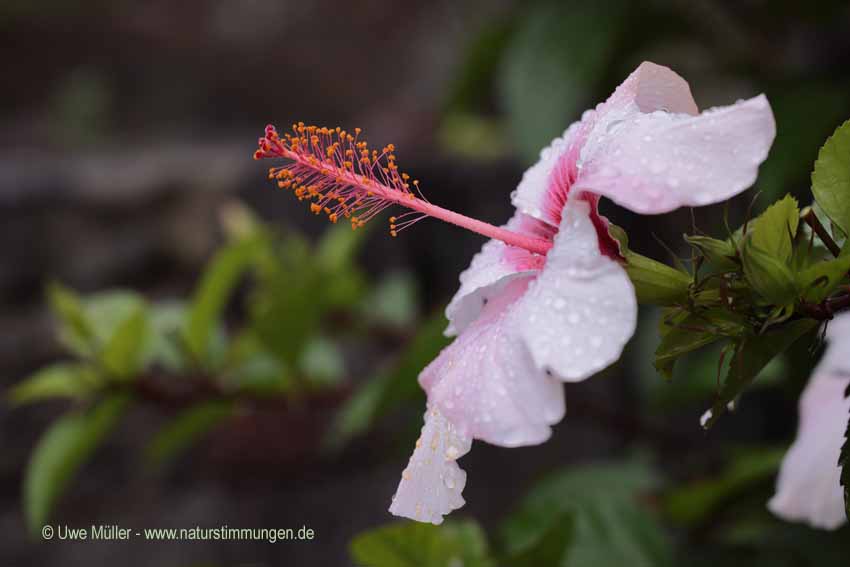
x=654 y=163
x=652 y=87
x=432 y=483
x=533 y=195
x=542 y=193
x=486 y=383
x=808 y=487
x=579 y=314
x=491 y=269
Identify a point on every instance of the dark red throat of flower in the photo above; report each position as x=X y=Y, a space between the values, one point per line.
x=341 y=177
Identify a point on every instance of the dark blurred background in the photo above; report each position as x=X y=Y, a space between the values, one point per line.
x=127 y=127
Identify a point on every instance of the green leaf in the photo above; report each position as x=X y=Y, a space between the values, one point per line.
x=189 y=426
x=560 y=52
x=655 y=283
x=719 y=253
x=251 y=368
x=394 y=301
x=609 y=527
x=769 y=277
x=75 y=330
x=167 y=319
x=61 y=380
x=60 y=453
x=820 y=280
x=684 y=334
x=322 y=362
x=773 y=231
x=389 y=388
x=297 y=288
x=414 y=544
x=109 y=326
x=338 y=247
x=121 y=355
x=551 y=548
x=831 y=177
x=694 y=502
x=751 y=355
x=211 y=295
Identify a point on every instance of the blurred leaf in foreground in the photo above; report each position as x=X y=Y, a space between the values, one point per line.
x=595 y=513
x=60 y=380
x=693 y=502
x=75 y=331
x=121 y=355
x=184 y=430
x=61 y=451
x=414 y=544
x=211 y=295
x=394 y=301
x=389 y=388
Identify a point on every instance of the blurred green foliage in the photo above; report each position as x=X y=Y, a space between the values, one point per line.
x=614 y=514
x=268 y=320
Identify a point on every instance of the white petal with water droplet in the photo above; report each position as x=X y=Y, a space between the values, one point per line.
x=432 y=483
x=488 y=273
x=668 y=161
x=808 y=487
x=581 y=311
x=650 y=88
x=486 y=383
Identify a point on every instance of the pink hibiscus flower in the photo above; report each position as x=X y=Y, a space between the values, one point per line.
x=526 y=321
x=546 y=300
x=808 y=488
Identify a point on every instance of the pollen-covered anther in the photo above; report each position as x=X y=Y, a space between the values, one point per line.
x=339 y=174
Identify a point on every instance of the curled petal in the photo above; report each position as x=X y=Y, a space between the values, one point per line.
x=491 y=270
x=543 y=190
x=432 y=483
x=654 y=163
x=579 y=314
x=651 y=87
x=486 y=383
x=808 y=487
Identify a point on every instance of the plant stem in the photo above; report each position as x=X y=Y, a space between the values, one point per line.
x=810 y=218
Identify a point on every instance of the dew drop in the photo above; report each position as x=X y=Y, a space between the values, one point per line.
x=613 y=126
